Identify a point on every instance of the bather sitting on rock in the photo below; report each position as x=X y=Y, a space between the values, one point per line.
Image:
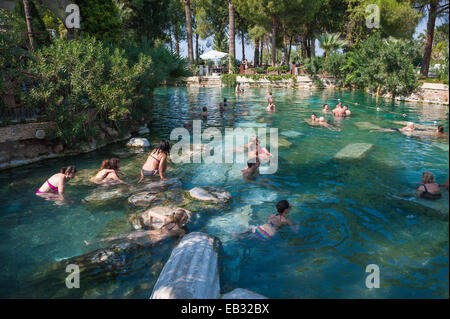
x=105 y=170
x=429 y=189
x=274 y=222
x=156 y=161
x=113 y=176
x=172 y=227
x=409 y=128
x=252 y=169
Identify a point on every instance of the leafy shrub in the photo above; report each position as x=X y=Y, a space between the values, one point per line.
x=382 y=66
x=282 y=69
x=228 y=79
x=83 y=83
x=260 y=70
x=333 y=66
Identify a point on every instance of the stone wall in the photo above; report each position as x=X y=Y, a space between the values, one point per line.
x=22 y=144
x=429 y=93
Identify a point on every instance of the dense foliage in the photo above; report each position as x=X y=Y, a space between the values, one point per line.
x=84 y=83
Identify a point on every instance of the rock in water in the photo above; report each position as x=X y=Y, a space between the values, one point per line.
x=442 y=146
x=138 y=142
x=367 y=126
x=191 y=271
x=282 y=142
x=142 y=219
x=210 y=194
x=100 y=194
x=142 y=199
x=159 y=186
x=354 y=151
x=240 y=293
x=291 y=133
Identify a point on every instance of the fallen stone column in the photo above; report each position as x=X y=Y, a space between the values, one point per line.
x=191 y=271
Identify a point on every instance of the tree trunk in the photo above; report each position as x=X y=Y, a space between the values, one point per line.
x=196 y=47
x=304 y=40
x=256 y=53
x=313 y=46
x=290 y=49
x=274 y=40
x=432 y=13
x=170 y=41
x=177 y=44
x=243 y=45
x=232 y=47
x=285 y=47
x=28 y=18
x=261 y=48
x=187 y=7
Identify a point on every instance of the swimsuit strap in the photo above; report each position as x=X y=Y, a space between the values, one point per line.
x=51 y=186
x=155 y=158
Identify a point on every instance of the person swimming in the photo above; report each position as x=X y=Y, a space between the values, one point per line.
x=156 y=161
x=271 y=107
x=409 y=128
x=440 y=131
x=204 y=112
x=274 y=222
x=346 y=111
x=429 y=189
x=56 y=183
x=105 y=169
x=269 y=97
x=319 y=121
x=255 y=150
x=338 y=111
x=223 y=105
x=325 y=108
x=252 y=169
x=172 y=227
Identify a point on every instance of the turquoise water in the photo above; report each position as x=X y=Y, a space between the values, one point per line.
x=351 y=214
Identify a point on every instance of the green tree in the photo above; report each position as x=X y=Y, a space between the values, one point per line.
x=330 y=42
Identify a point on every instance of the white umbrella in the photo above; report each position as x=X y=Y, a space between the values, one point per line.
x=213 y=55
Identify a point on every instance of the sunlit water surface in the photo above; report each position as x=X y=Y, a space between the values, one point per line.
x=351 y=214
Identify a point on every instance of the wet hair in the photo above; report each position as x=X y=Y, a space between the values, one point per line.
x=105 y=164
x=205 y=109
x=324 y=105
x=314 y=114
x=225 y=99
x=427 y=178
x=440 y=129
x=69 y=170
x=252 y=162
x=346 y=105
x=178 y=216
x=163 y=146
x=114 y=163
x=281 y=206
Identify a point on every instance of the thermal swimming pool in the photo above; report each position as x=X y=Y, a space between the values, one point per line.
x=351 y=213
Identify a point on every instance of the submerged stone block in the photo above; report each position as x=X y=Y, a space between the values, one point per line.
x=141 y=220
x=191 y=271
x=354 y=151
x=138 y=142
x=367 y=126
x=210 y=194
x=240 y=293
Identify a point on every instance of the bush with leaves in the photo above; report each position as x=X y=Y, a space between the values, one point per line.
x=333 y=66
x=383 y=66
x=84 y=83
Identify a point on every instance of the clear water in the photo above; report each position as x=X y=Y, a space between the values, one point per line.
x=351 y=213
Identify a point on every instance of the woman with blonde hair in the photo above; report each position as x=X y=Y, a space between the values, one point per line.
x=105 y=169
x=430 y=189
x=172 y=227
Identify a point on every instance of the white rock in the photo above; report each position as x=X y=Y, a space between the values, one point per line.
x=191 y=271
x=142 y=199
x=291 y=133
x=354 y=151
x=144 y=130
x=138 y=142
x=142 y=219
x=210 y=194
x=240 y=293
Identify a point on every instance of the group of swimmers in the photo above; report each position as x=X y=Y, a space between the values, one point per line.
x=156 y=163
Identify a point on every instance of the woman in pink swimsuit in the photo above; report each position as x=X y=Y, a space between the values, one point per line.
x=56 y=183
